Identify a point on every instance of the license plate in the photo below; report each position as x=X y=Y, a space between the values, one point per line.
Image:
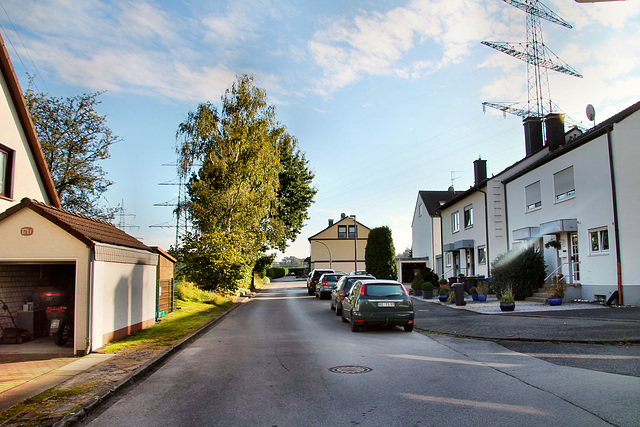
x=386 y=304
x=55 y=323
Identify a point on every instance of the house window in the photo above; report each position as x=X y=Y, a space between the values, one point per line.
x=455 y=222
x=599 y=240
x=352 y=231
x=6 y=157
x=448 y=259
x=468 y=217
x=532 y=196
x=482 y=255
x=342 y=232
x=563 y=184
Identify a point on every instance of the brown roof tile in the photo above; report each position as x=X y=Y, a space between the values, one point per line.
x=84 y=228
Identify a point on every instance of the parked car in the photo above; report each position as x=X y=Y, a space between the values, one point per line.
x=378 y=302
x=359 y=273
x=313 y=277
x=342 y=289
x=327 y=283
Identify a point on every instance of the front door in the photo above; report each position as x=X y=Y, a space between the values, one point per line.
x=575 y=261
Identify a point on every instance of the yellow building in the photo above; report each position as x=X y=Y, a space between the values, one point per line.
x=337 y=245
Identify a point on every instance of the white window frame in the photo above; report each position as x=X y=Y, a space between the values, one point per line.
x=448 y=259
x=533 y=196
x=469 y=210
x=564 y=191
x=6 y=156
x=482 y=259
x=455 y=222
x=601 y=235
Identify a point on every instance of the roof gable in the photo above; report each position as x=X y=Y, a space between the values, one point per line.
x=348 y=220
x=85 y=229
x=432 y=200
x=9 y=75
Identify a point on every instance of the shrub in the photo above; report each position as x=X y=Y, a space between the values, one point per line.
x=522 y=270
x=473 y=290
x=442 y=282
x=261 y=265
x=427 y=286
x=443 y=291
x=429 y=275
x=417 y=282
x=187 y=291
x=277 y=272
x=379 y=254
x=507 y=294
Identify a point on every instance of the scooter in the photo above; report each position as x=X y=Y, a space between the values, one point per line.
x=59 y=315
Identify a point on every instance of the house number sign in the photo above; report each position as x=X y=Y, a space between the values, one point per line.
x=26 y=231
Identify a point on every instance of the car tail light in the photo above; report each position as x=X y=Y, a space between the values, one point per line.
x=362 y=290
x=325 y=283
x=342 y=295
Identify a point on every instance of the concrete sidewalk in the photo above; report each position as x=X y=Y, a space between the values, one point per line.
x=582 y=323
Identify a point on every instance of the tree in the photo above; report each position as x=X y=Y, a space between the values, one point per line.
x=253 y=186
x=379 y=254
x=74 y=139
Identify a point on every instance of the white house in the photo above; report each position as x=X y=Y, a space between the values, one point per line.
x=585 y=194
x=426 y=234
x=23 y=170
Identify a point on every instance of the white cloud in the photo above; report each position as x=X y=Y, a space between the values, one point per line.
x=379 y=43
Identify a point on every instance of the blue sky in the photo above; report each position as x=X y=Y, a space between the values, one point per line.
x=385 y=97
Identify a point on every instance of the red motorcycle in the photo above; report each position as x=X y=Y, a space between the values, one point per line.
x=59 y=314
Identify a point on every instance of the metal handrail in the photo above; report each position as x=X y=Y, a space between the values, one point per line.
x=559 y=267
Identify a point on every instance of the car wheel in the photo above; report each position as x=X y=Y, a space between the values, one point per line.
x=354 y=326
x=331 y=306
x=344 y=319
x=309 y=291
x=408 y=328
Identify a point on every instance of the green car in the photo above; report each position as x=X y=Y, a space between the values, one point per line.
x=378 y=302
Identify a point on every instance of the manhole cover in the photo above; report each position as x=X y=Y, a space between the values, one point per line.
x=350 y=369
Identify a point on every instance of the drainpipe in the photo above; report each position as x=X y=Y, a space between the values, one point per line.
x=615 y=215
x=486 y=230
x=90 y=300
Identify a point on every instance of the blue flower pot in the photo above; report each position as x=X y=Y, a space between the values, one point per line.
x=443 y=298
x=555 y=301
x=482 y=298
x=474 y=297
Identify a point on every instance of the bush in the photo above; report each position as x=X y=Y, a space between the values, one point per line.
x=427 y=286
x=417 y=282
x=261 y=265
x=523 y=270
x=277 y=272
x=429 y=275
x=187 y=291
x=443 y=291
x=442 y=282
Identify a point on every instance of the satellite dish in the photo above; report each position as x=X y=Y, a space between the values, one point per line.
x=591 y=112
x=343 y=215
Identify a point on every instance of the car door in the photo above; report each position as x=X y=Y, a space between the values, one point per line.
x=349 y=300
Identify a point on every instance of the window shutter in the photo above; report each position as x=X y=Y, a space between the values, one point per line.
x=563 y=181
x=532 y=194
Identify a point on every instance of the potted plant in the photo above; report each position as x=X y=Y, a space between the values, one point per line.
x=555 y=292
x=482 y=292
x=451 y=299
x=442 y=282
x=416 y=284
x=443 y=293
x=474 y=293
x=507 y=301
x=427 y=290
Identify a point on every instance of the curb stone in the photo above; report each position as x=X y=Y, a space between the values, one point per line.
x=85 y=410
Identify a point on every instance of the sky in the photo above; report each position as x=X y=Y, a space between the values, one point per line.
x=384 y=96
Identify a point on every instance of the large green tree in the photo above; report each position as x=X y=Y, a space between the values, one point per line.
x=75 y=138
x=248 y=181
x=379 y=254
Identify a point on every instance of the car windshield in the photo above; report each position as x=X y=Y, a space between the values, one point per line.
x=331 y=278
x=351 y=280
x=383 y=290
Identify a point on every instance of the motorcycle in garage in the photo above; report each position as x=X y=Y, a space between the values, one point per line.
x=59 y=314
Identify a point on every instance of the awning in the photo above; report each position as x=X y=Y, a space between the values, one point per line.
x=559 y=226
x=526 y=233
x=460 y=244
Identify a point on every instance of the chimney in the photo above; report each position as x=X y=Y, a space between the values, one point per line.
x=479 y=170
x=330 y=222
x=554 y=128
x=532 y=135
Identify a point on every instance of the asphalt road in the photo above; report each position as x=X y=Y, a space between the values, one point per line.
x=285 y=359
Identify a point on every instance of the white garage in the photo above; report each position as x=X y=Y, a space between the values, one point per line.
x=109 y=276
